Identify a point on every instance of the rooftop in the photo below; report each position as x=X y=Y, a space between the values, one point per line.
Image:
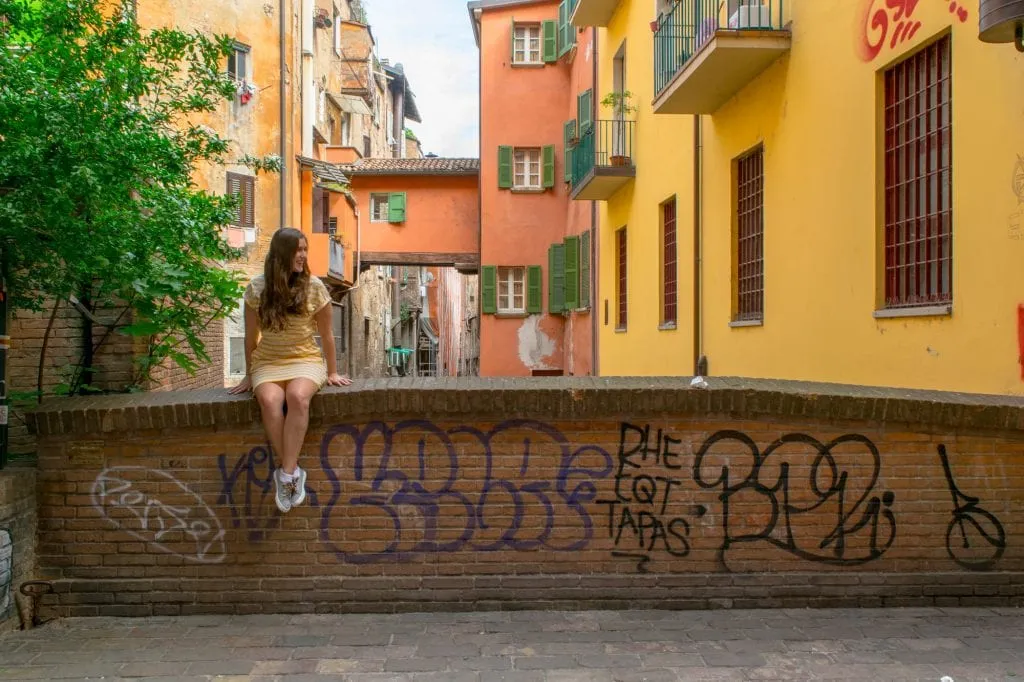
x=424 y=166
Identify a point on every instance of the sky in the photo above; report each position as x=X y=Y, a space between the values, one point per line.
x=433 y=40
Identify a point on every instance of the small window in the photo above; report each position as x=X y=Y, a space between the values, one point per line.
x=621 y=280
x=238 y=62
x=379 y=208
x=526 y=44
x=669 y=269
x=366 y=146
x=749 y=248
x=243 y=187
x=346 y=129
x=512 y=290
x=527 y=169
x=236 y=355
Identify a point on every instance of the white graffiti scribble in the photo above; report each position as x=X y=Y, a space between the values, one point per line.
x=167 y=527
x=6 y=570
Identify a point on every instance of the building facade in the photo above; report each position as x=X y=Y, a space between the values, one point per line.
x=822 y=191
x=534 y=321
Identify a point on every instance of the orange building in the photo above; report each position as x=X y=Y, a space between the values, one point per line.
x=535 y=244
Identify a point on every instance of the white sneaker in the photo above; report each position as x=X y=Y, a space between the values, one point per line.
x=283 y=492
x=299 y=495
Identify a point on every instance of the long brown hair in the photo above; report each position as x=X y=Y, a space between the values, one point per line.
x=284 y=291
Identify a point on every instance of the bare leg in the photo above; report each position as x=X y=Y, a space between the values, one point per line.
x=297 y=394
x=271 y=398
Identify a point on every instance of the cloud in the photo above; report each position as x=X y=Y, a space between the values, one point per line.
x=433 y=40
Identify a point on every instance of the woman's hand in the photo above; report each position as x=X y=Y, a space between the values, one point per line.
x=338 y=380
x=244 y=386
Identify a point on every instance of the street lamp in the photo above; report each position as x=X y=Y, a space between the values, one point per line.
x=1002 y=21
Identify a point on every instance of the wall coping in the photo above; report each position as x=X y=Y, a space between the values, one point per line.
x=564 y=398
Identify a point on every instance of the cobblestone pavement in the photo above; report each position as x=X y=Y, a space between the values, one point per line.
x=841 y=644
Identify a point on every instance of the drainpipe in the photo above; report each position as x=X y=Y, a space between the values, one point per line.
x=699 y=361
x=308 y=96
x=282 y=38
x=595 y=238
x=351 y=307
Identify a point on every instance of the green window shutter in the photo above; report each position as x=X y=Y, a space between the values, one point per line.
x=549 y=40
x=585 y=269
x=563 y=27
x=489 y=289
x=584 y=107
x=572 y=273
x=556 y=278
x=396 y=207
x=512 y=41
x=533 y=289
x=548 y=166
x=569 y=132
x=504 y=167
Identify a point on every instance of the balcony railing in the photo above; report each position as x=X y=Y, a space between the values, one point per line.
x=602 y=160
x=681 y=33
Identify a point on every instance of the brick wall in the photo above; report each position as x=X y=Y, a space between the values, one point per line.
x=17 y=538
x=171 y=377
x=474 y=493
x=63 y=356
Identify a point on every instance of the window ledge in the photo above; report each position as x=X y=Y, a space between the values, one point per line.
x=620 y=330
x=943 y=310
x=511 y=315
x=528 y=190
x=667 y=326
x=528 y=65
x=746 y=323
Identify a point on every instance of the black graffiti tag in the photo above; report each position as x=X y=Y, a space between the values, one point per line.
x=641 y=501
x=831 y=490
x=975 y=539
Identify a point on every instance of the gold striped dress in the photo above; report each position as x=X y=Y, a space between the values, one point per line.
x=292 y=352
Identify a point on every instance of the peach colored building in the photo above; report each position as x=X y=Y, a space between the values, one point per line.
x=535 y=246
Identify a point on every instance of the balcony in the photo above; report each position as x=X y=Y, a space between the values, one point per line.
x=602 y=160
x=591 y=12
x=705 y=51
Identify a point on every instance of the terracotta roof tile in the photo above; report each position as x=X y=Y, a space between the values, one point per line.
x=424 y=166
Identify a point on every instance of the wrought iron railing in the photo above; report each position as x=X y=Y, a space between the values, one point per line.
x=681 y=33
x=606 y=144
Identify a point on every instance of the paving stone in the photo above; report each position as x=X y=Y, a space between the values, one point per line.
x=671 y=660
x=609 y=661
x=542 y=662
x=409 y=665
x=581 y=676
x=332 y=666
x=285 y=667
x=481 y=663
x=226 y=667
x=730 y=659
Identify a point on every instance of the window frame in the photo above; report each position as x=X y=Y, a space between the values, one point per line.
x=509 y=276
x=516 y=151
x=232 y=66
x=247 y=194
x=916 y=240
x=748 y=237
x=621 y=279
x=669 y=219
x=528 y=27
x=377 y=199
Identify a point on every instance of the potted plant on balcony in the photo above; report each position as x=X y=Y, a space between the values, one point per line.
x=621 y=105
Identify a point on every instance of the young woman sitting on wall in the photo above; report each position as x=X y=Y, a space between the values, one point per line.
x=284 y=308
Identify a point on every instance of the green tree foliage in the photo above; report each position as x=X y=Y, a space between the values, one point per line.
x=100 y=137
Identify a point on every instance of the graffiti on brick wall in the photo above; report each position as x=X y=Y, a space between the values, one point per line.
x=401 y=477
x=6 y=571
x=160 y=510
x=639 y=521
x=833 y=516
x=975 y=539
x=252 y=508
x=892 y=23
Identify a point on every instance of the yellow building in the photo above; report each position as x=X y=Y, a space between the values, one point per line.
x=845 y=177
